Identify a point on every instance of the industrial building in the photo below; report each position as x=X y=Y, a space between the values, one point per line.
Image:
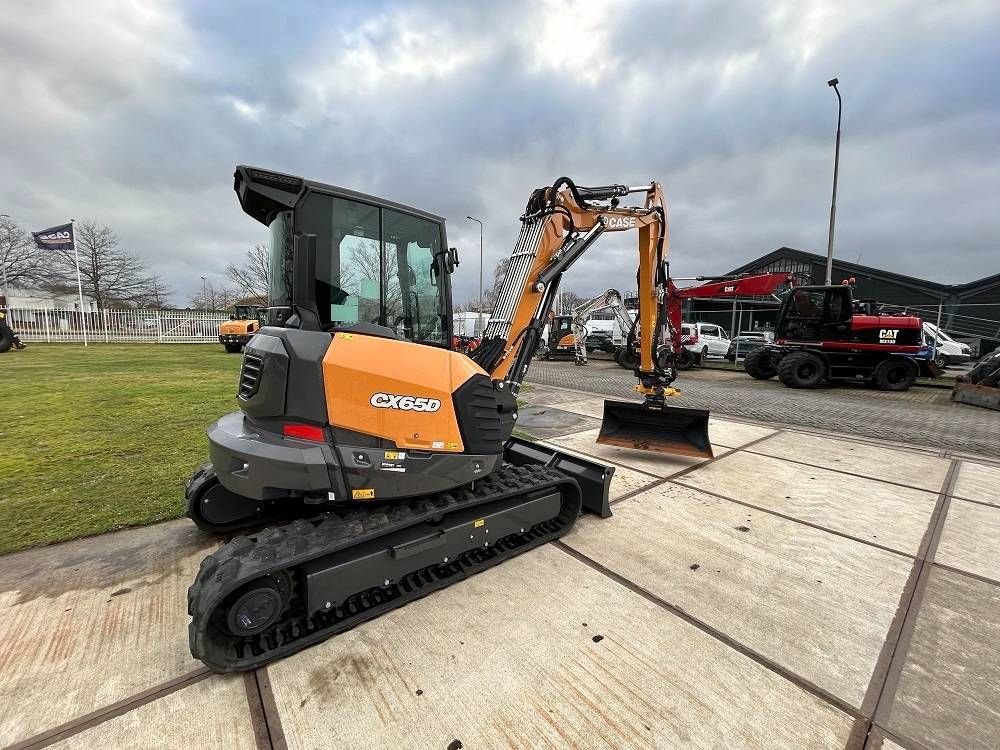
x=969 y=312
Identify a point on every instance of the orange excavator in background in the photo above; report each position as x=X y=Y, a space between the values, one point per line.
x=389 y=456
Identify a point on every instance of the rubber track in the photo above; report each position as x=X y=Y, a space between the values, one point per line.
x=284 y=548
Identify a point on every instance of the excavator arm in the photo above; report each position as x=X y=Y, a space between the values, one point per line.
x=560 y=223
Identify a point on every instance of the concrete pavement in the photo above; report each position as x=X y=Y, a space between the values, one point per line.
x=798 y=590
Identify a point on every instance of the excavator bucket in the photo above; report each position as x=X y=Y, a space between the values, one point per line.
x=672 y=429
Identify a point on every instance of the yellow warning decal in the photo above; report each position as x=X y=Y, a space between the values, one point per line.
x=479 y=522
x=395 y=455
x=453 y=446
x=366 y=494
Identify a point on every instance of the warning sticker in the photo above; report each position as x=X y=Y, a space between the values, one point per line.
x=365 y=494
x=453 y=446
x=395 y=455
x=437 y=444
x=479 y=523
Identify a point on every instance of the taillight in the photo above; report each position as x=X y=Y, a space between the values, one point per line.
x=304 y=432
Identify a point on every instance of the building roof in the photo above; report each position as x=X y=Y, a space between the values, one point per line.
x=854 y=269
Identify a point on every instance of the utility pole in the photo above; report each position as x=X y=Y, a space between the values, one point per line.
x=480 y=308
x=204 y=294
x=833 y=203
x=5 y=292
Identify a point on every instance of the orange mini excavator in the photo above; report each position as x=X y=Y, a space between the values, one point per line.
x=387 y=456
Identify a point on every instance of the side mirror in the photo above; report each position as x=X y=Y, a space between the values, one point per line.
x=452 y=259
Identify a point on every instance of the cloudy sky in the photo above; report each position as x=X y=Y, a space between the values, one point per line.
x=134 y=114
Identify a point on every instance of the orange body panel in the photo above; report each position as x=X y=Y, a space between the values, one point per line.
x=363 y=374
x=239 y=326
x=567 y=342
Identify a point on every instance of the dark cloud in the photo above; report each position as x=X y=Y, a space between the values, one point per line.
x=136 y=115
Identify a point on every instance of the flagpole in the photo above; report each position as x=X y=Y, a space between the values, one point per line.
x=79 y=281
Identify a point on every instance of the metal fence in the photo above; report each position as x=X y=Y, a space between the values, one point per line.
x=37 y=324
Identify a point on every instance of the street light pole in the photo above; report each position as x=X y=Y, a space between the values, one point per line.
x=4 y=267
x=204 y=294
x=833 y=203
x=480 y=309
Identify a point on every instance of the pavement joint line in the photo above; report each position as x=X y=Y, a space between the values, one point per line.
x=272 y=717
x=878 y=734
x=727 y=640
x=987 y=503
x=810 y=524
x=258 y=720
x=884 y=681
x=842 y=471
x=114 y=710
x=967 y=574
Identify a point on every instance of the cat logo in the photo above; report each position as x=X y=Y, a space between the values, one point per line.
x=888 y=335
x=729 y=289
x=619 y=222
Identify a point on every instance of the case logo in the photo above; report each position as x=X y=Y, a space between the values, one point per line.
x=619 y=222
x=405 y=403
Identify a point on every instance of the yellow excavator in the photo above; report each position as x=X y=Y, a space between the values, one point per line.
x=381 y=462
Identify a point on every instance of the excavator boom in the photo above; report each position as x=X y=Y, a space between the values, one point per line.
x=559 y=225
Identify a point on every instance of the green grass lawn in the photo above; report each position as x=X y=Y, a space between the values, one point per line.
x=104 y=437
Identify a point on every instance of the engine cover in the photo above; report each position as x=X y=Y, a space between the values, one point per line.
x=414 y=395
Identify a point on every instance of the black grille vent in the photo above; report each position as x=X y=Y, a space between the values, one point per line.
x=250 y=375
x=478 y=418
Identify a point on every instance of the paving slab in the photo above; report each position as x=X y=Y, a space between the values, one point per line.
x=549 y=421
x=922 y=470
x=971 y=539
x=817 y=604
x=504 y=660
x=978 y=482
x=731 y=434
x=948 y=694
x=592 y=407
x=539 y=394
x=881 y=513
x=212 y=713
x=658 y=464
x=92 y=622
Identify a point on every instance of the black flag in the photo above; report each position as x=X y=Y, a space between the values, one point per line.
x=57 y=238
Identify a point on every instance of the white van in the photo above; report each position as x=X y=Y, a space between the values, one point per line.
x=947 y=351
x=705 y=339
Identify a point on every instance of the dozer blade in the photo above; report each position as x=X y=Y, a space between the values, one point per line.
x=594 y=478
x=673 y=429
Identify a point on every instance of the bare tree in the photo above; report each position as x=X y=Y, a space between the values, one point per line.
x=570 y=300
x=110 y=274
x=252 y=278
x=20 y=258
x=490 y=293
x=217 y=298
x=157 y=297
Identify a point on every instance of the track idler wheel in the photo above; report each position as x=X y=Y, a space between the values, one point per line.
x=256 y=606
